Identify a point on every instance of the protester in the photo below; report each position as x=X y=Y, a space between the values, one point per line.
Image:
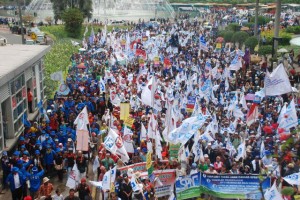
x=182 y=88
x=57 y=195
x=46 y=188
x=16 y=181
x=72 y=195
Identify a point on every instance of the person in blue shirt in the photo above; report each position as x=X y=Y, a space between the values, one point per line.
x=35 y=180
x=49 y=159
x=16 y=181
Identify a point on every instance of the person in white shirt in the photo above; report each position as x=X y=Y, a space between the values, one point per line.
x=57 y=195
x=194 y=169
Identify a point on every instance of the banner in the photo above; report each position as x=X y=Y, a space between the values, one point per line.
x=82 y=137
x=226 y=186
x=191 y=103
x=124 y=110
x=129 y=122
x=141 y=167
x=233 y=186
x=167 y=178
x=188 y=186
x=173 y=150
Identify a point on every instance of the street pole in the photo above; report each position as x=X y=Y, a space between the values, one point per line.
x=256 y=18
x=277 y=22
x=21 y=22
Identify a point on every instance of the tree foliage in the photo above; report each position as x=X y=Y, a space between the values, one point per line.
x=261 y=20
x=59 y=6
x=73 y=19
x=240 y=37
x=251 y=42
x=233 y=27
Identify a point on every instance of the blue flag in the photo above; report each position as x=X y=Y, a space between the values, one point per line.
x=25 y=121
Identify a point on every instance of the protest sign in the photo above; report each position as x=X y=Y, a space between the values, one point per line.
x=173 y=150
x=191 y=103
x=129 y=122
x=188 y=186
x=124 y=110
x=82 y=140
x=233 y=186
x=227 y=186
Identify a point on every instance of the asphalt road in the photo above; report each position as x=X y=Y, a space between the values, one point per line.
x=11 y=38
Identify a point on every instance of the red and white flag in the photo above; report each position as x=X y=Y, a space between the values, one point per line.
x=252 y=114
x=82 y=120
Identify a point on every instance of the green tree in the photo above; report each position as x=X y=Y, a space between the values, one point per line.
x=240 y=37
x=251 y=42
x=233 y=27
x=73 y=19
x=261 y=20
x=59 y=6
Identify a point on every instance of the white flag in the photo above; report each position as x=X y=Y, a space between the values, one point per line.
x=106 y=181
x=241 y=151
x=146 y=95
x=113 y=174
x=262 y=149
x=243 y=101
x=114 y=144
x=96 y=164
x=152 y=127
x=187 y=129
x=273 y=193
x=226 y=84
x=127 y=139
x=74 y=178
x=277 y=83
x=57 y=76
x=82 y=120
x=293 y=179
x=102 y=86
x=143 y=132
x=290 y=118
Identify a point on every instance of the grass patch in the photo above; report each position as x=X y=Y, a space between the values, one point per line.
x=58 y=31
x=57 y=59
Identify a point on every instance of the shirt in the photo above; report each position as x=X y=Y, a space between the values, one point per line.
x=17 y=181
x=46 y=189
x=56 y=197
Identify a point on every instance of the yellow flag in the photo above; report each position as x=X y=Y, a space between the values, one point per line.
x=148 y=160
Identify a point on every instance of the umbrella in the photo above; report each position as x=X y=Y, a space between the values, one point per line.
x=244 y=28
x=295 y=41
x=82 y=49
x=81 y=66
x=255 y=59
x=220 y=39
x=282 y=50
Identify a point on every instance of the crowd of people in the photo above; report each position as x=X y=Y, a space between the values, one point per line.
x=180 y=66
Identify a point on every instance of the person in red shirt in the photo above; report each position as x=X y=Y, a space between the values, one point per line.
x=29 y=100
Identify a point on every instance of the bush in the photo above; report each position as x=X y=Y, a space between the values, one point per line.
x=73 y=19
x=293 y=29
x=286 y=37
x=251 y=42
x=233 y=27
x=57 y=59
x=240 y=37
x=265 y=50
x=249 y=24
x=261 y=20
